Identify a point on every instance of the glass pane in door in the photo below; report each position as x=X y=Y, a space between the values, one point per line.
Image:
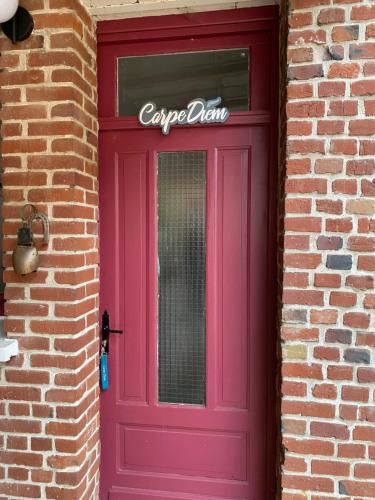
x=172 y=80
x=181 y=190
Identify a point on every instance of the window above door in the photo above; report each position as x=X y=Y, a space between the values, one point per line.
x=174 y=59
x=172 y=80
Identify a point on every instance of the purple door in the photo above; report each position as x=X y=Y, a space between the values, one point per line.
x=186 y=240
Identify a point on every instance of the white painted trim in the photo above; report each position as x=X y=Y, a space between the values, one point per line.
x=8 y=348
x=114 y=9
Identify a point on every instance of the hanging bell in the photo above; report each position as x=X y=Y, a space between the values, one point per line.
x=25 y=256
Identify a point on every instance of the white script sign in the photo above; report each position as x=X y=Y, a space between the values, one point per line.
x=197 y=111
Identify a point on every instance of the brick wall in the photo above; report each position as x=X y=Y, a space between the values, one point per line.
x=328 y=325
x=49 y=394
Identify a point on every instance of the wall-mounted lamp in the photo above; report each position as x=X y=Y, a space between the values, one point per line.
x=16 y=22
x=7 y=10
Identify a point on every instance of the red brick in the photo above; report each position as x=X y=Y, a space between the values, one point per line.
x=366 y=262
x=339 y=372
x=362 y=50
x=324 y=391
x=330 y=468
x=299 y=280
x=311 y=483
x=303 y=224
x=309 y=446
x=308 y=36
x=330 y=127
x=366 y=375
x=368 y=187
x=291 y=426
x=351 y=393
x=362 y=127
x=367 y=147
x=298 y=205
x=329 y=206
x=362 y=88
x=327 y=429
x=303 y=297
x=369 y=68
x=299 y=90
x=328 y=166
x=294 y=464
x=357 y=319
x=357 y=488
x=297 y=389
x=20 y=490
x=342 y=299
x=298 y=166
x=300 y=19
x=306 y=334
x=299 y=55
x=16 y=442
x=301 y=370
x=362 y=13
x=329 y=16
x=343 y=108
x=302 y=260
x=364 y=471
x=344 y=146
x=306 y=186
x=296 y=242
x=299 y=128
x=305 y=109
x=350 y=450
x=327 y=280
x=343 y=70
x=328 y=353
x=343 y=225
x=360 y=282
x=361 y=244
x=305 y=146
x=360 y=167
x=325 y=317
x=345 y=33
x=307 y=409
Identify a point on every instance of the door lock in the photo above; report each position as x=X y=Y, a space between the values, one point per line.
x=106 y=330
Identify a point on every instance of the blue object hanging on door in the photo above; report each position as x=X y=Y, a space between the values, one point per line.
x=104 y=383
x=106 y=330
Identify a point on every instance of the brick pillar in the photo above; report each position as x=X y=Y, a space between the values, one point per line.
x=328 y=290
x=49 y=411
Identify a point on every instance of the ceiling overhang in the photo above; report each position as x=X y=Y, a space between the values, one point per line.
x=115 y=9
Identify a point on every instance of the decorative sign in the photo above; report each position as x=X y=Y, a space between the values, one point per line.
x=197 y=111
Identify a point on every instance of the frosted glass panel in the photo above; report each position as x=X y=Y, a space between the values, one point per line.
x=173 y=80
x=182 y=277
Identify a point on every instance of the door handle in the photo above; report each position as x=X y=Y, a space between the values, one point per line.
x=106 y=330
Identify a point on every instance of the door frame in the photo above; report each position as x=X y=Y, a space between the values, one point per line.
x=151 y=35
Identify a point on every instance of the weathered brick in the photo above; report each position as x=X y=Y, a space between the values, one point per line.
x=329 y=243
x=357 y=356
x=339 y=335
x=343 y=262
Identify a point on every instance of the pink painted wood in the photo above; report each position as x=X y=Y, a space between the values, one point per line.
x=153 y=450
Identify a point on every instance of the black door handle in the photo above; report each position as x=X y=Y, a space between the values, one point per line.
x=106 y=330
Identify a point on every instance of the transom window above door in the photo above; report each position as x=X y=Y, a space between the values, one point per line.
x=173 y=80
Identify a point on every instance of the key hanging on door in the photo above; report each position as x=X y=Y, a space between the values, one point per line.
x=104 y=383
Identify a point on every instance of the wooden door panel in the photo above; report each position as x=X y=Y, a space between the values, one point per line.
x=205 y=453
x=232 y=277
x=190 y=451
x=130 y=198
